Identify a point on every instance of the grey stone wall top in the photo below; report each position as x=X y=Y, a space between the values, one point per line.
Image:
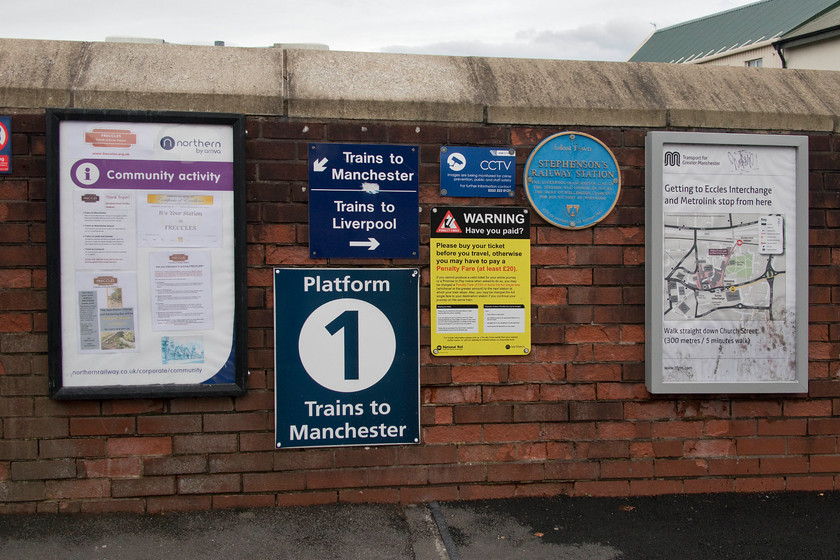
x=322 y=84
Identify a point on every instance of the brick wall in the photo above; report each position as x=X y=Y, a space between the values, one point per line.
x=573 y=417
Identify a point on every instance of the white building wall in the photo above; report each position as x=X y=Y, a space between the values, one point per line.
x=824 y=55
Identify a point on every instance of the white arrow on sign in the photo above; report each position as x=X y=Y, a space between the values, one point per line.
x=319 y=165
x=371 y=243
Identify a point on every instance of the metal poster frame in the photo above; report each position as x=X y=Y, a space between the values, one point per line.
x=726 y=263
x=146 y=258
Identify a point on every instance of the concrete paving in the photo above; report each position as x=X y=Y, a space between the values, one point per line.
x=721 y=526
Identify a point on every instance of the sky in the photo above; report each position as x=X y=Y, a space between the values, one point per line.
x=561 y=29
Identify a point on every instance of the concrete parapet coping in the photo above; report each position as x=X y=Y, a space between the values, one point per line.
x=321 y=84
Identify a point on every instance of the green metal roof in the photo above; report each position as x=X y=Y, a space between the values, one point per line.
x=732 y=29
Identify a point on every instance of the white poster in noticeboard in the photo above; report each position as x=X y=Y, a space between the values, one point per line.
x=146 y=237
x=726 y=263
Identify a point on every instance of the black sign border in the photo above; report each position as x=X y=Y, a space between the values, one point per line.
x=57 y=390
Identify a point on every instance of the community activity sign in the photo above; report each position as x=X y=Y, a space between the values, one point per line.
x=727 y=257
x=480 y=281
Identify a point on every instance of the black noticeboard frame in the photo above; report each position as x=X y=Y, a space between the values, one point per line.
x=227 y=253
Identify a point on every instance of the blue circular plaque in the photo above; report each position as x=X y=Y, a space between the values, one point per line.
x=572 y=180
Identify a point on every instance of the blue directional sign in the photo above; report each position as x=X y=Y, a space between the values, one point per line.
x=477 y=171
x=347 y=365
x=363 y=201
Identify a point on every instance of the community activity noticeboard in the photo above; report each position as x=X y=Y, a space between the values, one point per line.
x=727 y=263
x=146 y=234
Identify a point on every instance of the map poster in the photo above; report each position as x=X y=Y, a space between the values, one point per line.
x=480 y=281
x=725 y=278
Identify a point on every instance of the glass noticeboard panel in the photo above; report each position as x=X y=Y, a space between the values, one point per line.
x=146 y=238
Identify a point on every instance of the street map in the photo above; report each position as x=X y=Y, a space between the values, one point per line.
x=724 y=267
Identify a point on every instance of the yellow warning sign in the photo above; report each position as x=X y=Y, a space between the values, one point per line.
x=480 y=281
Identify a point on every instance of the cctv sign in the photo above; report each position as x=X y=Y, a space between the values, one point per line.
x=477 y=172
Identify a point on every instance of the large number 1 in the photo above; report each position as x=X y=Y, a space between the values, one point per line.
x=349 y=321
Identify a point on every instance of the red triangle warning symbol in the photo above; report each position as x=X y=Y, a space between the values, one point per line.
x=448 y=224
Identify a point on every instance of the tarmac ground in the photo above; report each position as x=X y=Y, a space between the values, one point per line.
x=794 y=525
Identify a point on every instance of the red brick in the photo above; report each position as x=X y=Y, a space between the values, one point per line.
x=427 y=455
x=113 y=506
x=511 y=393
x=825 y=463
x=307 y=498
x=655 y=487
x=677 y=429
x=100 y=426
x=117 y=447
x=42 y=470
x=627 y=469
x=336 y=478
x=484 y=413
x=452 y=395
x=476 y=374
x=148 y=486
x=581 y=411
x=398 y=476
x=21 y=492
x=486 y=453
x=171 y=424
x=293 y=459
x=708 y=485
x=365 y=457
x=369 y=496
x=511 y=432
x=536 y=372
x=592 y=333
x=756 y=409
x=488 y=491
x=602 y=449
x=240 y=501
x=420 y=494
x=178 y=503
x=179 y=464
x=515 y=472
x=449 y=474
x=541 y=412
x=775 y=484
x=709 y=448
x=680 y=467
x=568 y=392
x=809 y=483
x=123 y=467
x=602 y=488
x=808 y=408
x=17 y=450
x=813 y=445
x=241 y=462
x=593 y=372
x=783 y=465
x=273 y=482
x=730 y=467
x=452 y=434
x=236 y=422
x=782 y=427
x=762 y=446
x=25 y=428
x=77 y=489
x=209 y=484
x=204 y=443
x=730 y=428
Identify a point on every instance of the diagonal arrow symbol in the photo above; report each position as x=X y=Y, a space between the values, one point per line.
x=371 y=243
x=319 y=165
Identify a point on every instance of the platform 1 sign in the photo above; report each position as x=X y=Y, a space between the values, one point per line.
x=363 y=201
x=347 y=365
